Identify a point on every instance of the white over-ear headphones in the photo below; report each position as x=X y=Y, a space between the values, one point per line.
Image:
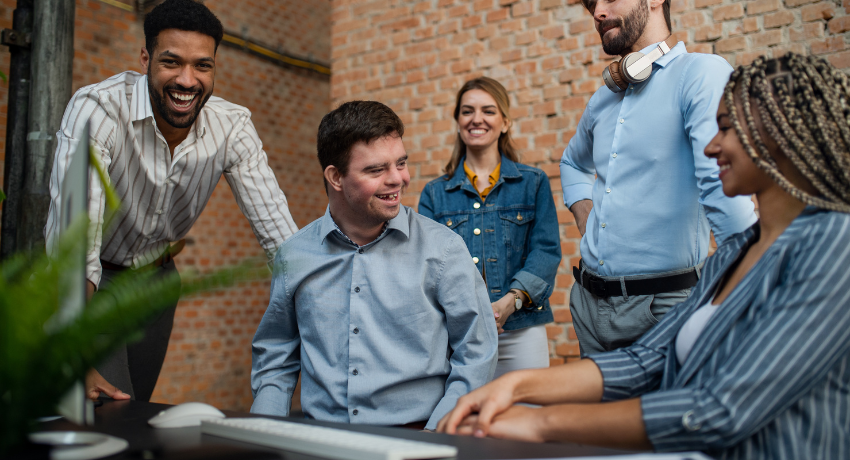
x=635 y=67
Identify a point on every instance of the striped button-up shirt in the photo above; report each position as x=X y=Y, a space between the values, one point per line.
x=769 y=376
x=162 y=195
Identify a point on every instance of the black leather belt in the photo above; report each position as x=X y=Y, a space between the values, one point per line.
x=650 y=286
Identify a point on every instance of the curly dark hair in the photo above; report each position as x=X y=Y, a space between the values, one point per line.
x=188 y=15
x=350 y=123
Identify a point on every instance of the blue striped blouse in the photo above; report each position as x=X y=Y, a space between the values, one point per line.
x=769 y=377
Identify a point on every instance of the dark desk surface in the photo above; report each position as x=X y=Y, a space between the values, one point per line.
x=128 y=420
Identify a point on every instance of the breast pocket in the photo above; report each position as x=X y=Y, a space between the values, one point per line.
x=458 y=223
x=516 y=224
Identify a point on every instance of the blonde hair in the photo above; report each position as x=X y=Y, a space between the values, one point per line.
x=804 y=105
x=500 y=95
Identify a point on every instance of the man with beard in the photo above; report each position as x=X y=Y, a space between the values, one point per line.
x=646 y=216
x=165 y=142
x=381 y=309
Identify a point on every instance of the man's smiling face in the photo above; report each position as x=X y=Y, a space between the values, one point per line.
x=181 y=75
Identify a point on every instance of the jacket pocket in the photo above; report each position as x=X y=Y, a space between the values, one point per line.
x=456 y=222
x=516 y=224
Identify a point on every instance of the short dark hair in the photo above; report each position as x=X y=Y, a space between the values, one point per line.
x=188 y=15
x=350 y=123
x=590 y=5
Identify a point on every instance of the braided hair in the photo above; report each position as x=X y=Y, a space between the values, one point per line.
x=804 y=106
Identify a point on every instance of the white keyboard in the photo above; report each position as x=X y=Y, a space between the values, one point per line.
x=323 y=442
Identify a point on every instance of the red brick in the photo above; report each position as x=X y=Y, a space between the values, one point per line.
x=830 y=45
x=782 y=18
x=726 y=12
x=762 y=6
x=839 y=25
x=822 y=10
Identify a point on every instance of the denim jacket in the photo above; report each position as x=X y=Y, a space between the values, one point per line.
x=513 y=233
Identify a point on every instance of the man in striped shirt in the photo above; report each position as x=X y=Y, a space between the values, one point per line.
x=165 y=142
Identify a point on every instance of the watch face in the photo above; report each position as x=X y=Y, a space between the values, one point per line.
x=518 y=304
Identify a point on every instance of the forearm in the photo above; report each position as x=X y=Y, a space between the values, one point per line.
x=581 y=210
x=615 y=424
x=577 y=382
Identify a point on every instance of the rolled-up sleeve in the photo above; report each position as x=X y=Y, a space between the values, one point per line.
x=471 y=327
x=577 y=170
x=276 y=358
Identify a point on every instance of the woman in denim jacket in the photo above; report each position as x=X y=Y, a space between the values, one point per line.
x=505 y=213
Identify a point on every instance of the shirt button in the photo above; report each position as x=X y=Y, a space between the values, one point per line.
x=614 y=155
x=159 y=211
x=354 y=412
x=477 y=231
x=360 y=250
x=601 y=262
x=622 y=120
x=357 y=289
x=607 y=190
x=476 y=205
x=356 y=331
x=604 y=225
x=475 y=260
x=355 y=372
x=689 y=423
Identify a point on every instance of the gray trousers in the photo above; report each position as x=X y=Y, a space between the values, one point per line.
x=134 y=368
x=605 y=324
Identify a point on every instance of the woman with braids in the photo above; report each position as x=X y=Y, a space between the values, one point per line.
x=756 y=363
x=506 y=215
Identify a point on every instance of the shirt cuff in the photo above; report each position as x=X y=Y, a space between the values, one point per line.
x=577 y=192
x=533 y=286
x=671 y=421
x=272 y=401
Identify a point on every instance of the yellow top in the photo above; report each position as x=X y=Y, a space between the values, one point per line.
x=494 y=177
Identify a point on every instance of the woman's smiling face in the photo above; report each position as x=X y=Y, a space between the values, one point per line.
x=480 y=123
x=738 y=173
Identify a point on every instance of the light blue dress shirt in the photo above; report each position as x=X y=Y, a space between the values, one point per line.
x=656 y=193
x=388 y=333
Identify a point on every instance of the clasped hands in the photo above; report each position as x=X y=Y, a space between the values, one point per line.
x=490 y=411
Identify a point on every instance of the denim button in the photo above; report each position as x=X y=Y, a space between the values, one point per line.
x=476 y=205
x=477 y=231
x=475 y=260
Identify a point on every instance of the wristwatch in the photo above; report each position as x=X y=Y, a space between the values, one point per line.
x=517 y=300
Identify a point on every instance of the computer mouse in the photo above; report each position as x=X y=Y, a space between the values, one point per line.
x=186 y=414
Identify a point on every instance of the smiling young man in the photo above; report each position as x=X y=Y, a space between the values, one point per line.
x=644 y=196
x=165 y=142
x=381 y=309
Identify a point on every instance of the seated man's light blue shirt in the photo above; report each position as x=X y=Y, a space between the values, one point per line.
x=656 y=196
x=388 y=333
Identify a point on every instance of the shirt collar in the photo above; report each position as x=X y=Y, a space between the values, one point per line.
x=400 y=222
x=141 y=109
x=508 y=170
x=675 y=52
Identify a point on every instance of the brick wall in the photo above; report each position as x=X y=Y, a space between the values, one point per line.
x=209 y=356
x=414 y=55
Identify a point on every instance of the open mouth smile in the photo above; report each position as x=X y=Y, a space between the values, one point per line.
x=391 y=197
x=182 y=101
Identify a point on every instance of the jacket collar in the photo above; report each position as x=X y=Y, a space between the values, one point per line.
x=508 y=170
